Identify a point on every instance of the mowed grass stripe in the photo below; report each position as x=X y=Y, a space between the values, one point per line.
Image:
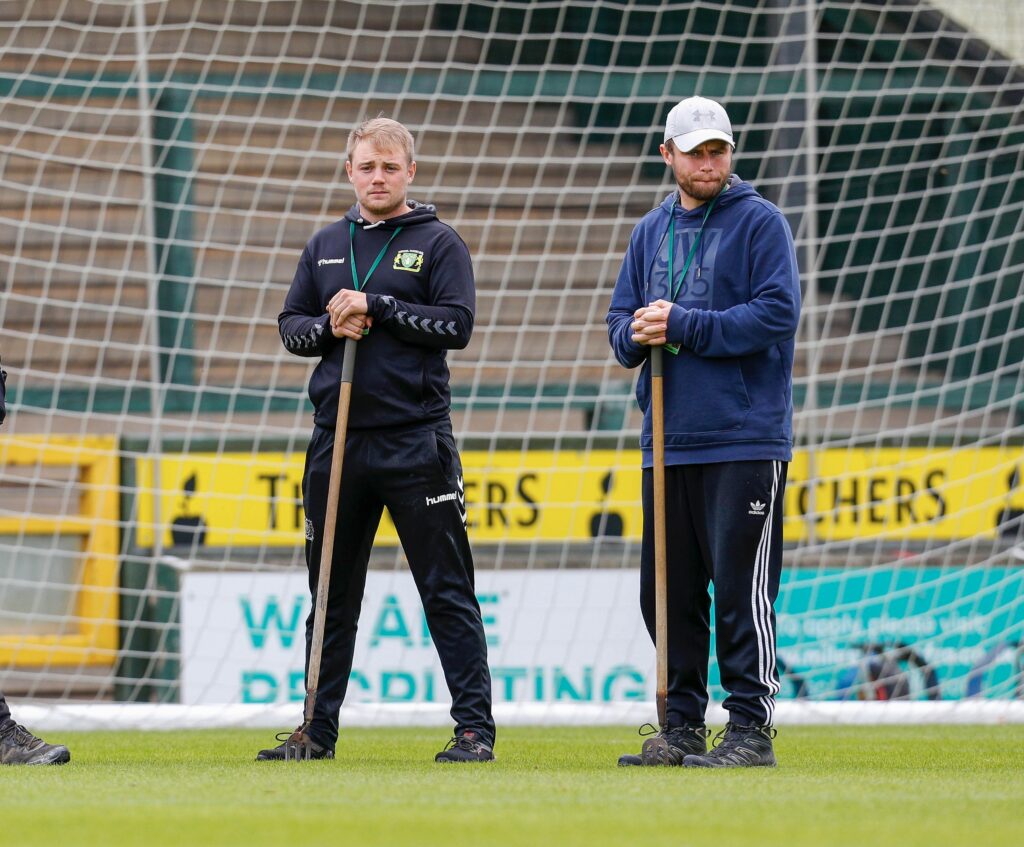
x=930 y=785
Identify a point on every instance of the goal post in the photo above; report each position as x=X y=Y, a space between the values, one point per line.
x=162 y=166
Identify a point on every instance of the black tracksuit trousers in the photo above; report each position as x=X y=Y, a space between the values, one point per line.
x=5 y=713
x=416 y=473
x=724 y=526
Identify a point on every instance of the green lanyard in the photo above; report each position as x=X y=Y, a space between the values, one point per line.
x=675 y=285
x=352 y=255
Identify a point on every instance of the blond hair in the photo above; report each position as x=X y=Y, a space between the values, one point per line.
x=384 y=134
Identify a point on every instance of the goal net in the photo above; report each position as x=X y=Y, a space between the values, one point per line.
x=162 y=164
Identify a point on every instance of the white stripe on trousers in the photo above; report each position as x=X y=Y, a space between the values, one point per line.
x=761 y=607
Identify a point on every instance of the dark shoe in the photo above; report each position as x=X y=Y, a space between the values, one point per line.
x=668 y=747
x=277 y=754
x=465 y=748
x=738 y=747
x=18 y=746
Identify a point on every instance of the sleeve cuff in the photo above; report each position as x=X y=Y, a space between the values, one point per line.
x=676 y=321
x=327 y=339
x=372 y=304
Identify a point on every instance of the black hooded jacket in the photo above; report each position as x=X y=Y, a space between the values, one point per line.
x=422 y=299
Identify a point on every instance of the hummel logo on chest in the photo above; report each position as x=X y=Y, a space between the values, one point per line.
x=756 y=508
x=321 y=262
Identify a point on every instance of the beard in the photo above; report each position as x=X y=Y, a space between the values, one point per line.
x=383 y=206
x=702 y=190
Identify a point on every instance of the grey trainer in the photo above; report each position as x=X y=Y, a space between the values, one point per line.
x=669 y=746
x=18 y=746
x=281 y=752
x=738 y=746
x=466 y=747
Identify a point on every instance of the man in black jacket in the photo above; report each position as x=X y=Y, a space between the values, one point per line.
x=18 y=746
x=393 y=279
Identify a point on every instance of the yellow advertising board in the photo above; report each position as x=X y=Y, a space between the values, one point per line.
x=914 y=493
x=244 y=500
x=91 y=637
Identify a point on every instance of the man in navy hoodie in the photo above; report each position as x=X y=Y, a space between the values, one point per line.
x=393 y=279
x=711 y=276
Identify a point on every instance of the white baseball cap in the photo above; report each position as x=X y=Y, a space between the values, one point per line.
x=696 y=120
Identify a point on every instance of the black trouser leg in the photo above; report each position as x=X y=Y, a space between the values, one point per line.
x=359 y=513
x=427 y=503
x=724 y=522
x=744 y=519
x=5 y=713
x=688 y=601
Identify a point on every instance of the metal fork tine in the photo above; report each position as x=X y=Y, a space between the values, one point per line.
x=298 y=747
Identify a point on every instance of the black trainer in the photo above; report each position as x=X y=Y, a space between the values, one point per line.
x=465 y=748
x=277 y=754
x=668 y=747
x=738 y=747
x=18 y=746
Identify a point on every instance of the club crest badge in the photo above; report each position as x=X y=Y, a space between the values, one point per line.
x=408 y=260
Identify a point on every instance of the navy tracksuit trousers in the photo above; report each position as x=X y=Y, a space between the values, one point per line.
x=416 y=473
x=724 y=526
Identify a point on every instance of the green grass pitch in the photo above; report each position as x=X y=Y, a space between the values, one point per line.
x=857 y=786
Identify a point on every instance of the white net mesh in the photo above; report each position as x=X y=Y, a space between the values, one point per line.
x=163 y=163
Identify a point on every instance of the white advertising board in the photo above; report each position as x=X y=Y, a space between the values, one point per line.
x=553 y=636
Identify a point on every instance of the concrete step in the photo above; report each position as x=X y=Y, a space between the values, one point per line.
x=59 y=234
x=255 y=285
x=252 y=183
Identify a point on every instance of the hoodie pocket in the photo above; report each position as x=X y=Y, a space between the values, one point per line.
x=704 y=395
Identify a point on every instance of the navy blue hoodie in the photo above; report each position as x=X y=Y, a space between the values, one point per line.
x=422 y=298
x=729 y=391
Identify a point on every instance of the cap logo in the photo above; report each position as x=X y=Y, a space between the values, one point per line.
x=700 y=117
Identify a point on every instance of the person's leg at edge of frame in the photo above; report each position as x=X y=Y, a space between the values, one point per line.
x=18 y=746
x=688 y=604
x=359 y=513
x=744 y=519
x=424 y=502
